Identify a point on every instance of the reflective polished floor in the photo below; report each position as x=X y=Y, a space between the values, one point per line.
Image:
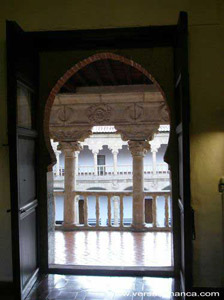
x=104 y=248
x=55 y=287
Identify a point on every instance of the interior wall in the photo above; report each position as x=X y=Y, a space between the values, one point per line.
x=206 y=44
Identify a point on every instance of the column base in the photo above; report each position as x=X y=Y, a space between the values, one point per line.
x=68 y=225
x=138 y=226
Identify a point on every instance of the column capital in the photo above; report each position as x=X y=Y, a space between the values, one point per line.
x=138 y=148
x=115 y=151
x=95 y=147
x=69 y=147
x=154 y=146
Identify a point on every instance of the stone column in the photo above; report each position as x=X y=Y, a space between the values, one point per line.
x=115 y=153
x=116 y=206
x=138 y=150
x=69 y=148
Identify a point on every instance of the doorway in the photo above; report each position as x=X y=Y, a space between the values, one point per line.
x=137 y=43
x=117 y=112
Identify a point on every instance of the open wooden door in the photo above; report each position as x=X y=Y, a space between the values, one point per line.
x=182 y=105
x=22 y=76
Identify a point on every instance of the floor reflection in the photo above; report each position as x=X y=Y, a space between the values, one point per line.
x=103 y=248
x=103 y=287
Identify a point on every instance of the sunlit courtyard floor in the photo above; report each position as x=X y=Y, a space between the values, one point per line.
x=103 y=248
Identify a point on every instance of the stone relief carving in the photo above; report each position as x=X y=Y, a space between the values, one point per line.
x=69 y=147
x=70 y=121
x=65 y=113
x=137 y=132
x=135 y=112
x=99 y=113
x=70 y=133
x=164 y=113
x=138 y=148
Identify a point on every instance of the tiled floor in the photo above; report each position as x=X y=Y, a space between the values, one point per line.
x=59 y=287
x=103 y=248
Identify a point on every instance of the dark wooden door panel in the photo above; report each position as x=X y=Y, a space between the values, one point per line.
x=181 y=177
x=27 y=170
x=148 y=210
x=81 y=211
x=28 y=245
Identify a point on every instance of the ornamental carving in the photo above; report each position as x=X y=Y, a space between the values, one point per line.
x=65 y=113
x=99 y=113
x=68 y=134
x=164 y=113
x=138 y=148
x=137 y=132
x=135 y=112
x=70 y=147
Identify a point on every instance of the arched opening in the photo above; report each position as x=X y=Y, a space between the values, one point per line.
x=127 y=105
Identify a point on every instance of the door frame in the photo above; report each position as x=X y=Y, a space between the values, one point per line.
x=98 y=40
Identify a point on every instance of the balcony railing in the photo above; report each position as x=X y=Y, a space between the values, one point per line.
x=107 y=170
x=83 y=222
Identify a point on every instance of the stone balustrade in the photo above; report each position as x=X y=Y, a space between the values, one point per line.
x=117 y=222
x=107 y=170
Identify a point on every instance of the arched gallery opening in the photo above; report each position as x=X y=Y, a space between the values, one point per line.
x=107 y=128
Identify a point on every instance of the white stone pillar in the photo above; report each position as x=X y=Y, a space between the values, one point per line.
x=138 y=150
x=57 y=153
x=116 y=206
x=115 y=153
x=69 y=148
x=154 y=168
x=95 y=162
x=77 y=163
x=154 y=149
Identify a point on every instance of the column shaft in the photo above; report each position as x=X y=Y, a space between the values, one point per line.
x=95 y=163
x=154 y=211
x=116 y=204
x=69 y=208
x=115 y=153
x=69 y=149
x=86 y=211
x=138 y=149
x=77 y=163
x=109 y=211
x=97 y=212
x=58 y=163
x=154 y=167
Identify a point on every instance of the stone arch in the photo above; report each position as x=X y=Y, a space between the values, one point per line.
x=70 y=72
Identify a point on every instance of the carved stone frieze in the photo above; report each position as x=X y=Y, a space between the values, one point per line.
x=137 y=132
x=74 y=133
x=99 y=113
